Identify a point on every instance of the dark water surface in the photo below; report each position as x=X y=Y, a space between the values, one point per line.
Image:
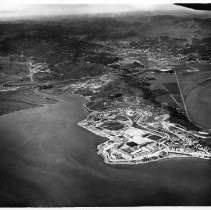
x=47 y=160
x=198 y=102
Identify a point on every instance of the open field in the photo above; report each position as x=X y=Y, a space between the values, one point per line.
x=23 y=98
x=11 y=106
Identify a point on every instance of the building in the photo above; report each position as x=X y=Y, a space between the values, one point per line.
x=124 y=154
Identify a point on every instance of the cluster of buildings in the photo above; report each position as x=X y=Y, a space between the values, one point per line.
x=93 y=84
x=35 y=68
x=139 y=142
x=146 y=134
x=147 y=58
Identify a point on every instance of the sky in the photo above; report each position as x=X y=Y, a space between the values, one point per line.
x=18 y=9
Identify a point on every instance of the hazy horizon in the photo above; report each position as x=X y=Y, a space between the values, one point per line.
x=24 y=11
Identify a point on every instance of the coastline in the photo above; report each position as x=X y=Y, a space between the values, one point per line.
x=80 y=165
x=146 y=162
x=101 y=152
x=132 y=162
x=83 y=105
x=106 y=160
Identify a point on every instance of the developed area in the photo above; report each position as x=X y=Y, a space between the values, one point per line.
x=146 y=91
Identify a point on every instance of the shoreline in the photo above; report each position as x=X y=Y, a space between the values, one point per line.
x=184 y=98
x=132 y=162
x=100 y=151
x=83 y=105
x=146 y=162
x=106 y=160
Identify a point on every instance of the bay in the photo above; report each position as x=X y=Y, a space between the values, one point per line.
x=47 y=160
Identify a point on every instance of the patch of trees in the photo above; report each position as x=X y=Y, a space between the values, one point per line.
x=180 y=118
x=84 y=92
x=97 y=104
x=103 y=58
x=159 y=92
x=205 y=142
x=115 y=95
x=80 y=70
x=172 y=87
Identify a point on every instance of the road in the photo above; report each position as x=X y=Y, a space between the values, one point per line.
x=182 y=96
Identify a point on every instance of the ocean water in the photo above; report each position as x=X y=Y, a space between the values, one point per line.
x=47 y=160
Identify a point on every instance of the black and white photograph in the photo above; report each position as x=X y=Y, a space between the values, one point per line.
x=105 y=104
